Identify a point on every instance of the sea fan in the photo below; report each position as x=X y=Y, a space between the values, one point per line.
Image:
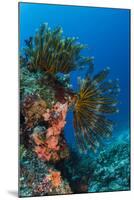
x=48 y=50
x=96 y=99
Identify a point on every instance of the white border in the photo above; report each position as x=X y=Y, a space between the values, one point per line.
x=9 y=97
x=94 y=3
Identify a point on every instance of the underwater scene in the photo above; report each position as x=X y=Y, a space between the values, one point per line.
x=74 y=72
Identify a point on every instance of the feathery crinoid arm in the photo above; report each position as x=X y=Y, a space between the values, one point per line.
x=49 y=51
x=96 y=99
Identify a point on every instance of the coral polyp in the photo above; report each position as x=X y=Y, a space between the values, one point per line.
x=49 y=51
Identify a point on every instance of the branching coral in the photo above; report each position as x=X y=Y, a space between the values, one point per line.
x=95 y=100
x=50 y=51
x=51 y=145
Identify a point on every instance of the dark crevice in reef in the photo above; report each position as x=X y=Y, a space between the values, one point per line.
x=68 y=168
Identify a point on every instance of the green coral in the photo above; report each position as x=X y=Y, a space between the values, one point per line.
x=22 y=153
x=35 y=84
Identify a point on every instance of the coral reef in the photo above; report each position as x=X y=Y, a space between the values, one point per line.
x=48 y=165
x=47 y=51
x=38 y=178
x=33 y=109
x=35 y=84
x=112 y=167
x=53 y=184
x=51 y=146
x=76 y=170
x=109 y=170
x=42 y=120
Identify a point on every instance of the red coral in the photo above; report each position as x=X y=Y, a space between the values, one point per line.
x=50 y=147
x=52 y=143
x=55 y=178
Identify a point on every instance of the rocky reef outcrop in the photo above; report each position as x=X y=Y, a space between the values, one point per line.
x=112 y=167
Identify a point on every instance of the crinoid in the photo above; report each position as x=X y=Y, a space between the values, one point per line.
x=95 y=100
x=49 y=51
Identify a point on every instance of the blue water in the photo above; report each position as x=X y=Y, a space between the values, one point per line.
x=105 y=31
